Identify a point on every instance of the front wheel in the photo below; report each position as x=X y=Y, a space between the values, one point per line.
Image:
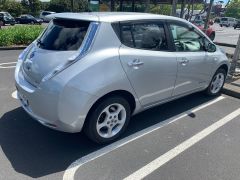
x=108 y=120
x=216 y=83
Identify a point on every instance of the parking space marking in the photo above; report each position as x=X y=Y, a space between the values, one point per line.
x=14 y=95
x=8 y=65
x=72 y=169
x=160 y=161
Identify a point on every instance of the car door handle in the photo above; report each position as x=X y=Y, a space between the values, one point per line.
x=184 y=61
x=135 y=62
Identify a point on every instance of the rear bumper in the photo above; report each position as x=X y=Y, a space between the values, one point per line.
x=53 y=104
x=56 y=125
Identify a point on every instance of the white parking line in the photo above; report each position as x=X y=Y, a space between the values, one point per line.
x=8 y=65
x=71 y=170
x=160 y=161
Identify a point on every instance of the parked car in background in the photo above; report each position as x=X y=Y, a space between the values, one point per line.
x=210 y=32
x=44 y=15
x=1 y=21
x=237 y=25
x=227 y=21
x=28 y=19
x=7 y=18
x=92 y=71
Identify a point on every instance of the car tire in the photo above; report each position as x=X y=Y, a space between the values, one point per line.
x=217 y=82
x=108 y=119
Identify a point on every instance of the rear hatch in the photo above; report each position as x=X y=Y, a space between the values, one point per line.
x=61 y=40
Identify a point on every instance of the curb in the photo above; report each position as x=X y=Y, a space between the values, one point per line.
x=226 y=44
x=231 y=90
x=12 y=48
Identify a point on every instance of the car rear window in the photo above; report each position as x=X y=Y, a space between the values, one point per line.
x=64 y=35
x=224 y=19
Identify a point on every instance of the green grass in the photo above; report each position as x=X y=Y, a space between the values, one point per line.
x=19 y=35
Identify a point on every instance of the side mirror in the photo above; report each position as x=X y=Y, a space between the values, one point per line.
x=211 y=47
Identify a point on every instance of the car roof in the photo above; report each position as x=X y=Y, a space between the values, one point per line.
x=112 y=16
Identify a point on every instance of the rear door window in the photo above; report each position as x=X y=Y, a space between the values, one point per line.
x=64 y=35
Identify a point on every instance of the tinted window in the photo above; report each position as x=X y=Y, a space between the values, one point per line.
x=64 y=35
x=127 y=38
x=45 y=13
x=148 y=36
x=186 y=39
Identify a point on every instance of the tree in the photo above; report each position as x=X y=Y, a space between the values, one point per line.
x=13 y=7
x=65 y=5
x=233 y=9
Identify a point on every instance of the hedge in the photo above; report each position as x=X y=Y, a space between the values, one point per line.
x=19 y=35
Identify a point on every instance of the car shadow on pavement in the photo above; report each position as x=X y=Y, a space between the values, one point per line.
x=37 y=151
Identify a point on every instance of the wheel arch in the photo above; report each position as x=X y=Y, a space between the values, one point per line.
x=123 y=93
x=224 y=66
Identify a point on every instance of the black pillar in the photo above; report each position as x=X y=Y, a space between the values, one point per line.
x=112 y=5
x=133 y=5
x=121 y=5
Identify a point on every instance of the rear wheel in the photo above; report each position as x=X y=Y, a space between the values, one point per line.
x=216 y=83
x=108 y=120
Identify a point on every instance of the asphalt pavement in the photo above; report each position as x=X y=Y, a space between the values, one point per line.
x=227 y=35
x=195 y=137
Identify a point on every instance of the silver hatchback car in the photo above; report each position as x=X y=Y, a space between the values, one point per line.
x=92 y=71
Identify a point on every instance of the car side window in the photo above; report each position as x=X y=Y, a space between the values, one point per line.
x=148 y=36
x=186 y=39
x=126 y=34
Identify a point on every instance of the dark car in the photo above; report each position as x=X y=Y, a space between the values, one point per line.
x=237 y=25
x=7 y=18
x=1 y=20
x=28 y=19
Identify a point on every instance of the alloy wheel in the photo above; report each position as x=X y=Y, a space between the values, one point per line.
x=111 y=120
x=217 y=83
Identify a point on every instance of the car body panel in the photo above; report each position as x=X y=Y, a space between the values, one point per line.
x=154 y=80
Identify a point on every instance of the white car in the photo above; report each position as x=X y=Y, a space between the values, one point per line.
x=228 y=21
x=44 y=15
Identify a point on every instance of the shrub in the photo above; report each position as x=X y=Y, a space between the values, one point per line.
x=19 y=35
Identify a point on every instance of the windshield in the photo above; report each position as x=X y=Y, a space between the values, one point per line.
x=224 y=19
x=64 y=35
x=8 y=15
x=30 y=16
